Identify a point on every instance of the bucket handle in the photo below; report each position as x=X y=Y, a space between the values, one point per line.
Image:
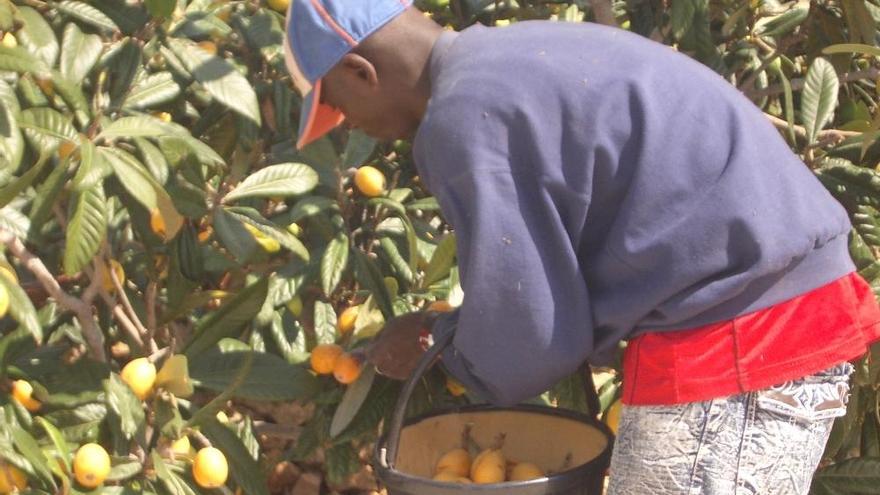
x=388 y=452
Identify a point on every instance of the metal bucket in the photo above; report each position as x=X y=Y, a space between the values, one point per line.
x=575 y=448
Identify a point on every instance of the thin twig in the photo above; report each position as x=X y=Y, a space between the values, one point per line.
x=126 y=303
x=149 y=337
x=83 y=311
x=870 y=73
x=828 y=136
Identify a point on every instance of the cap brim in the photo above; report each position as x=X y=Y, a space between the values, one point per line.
x=315 y=118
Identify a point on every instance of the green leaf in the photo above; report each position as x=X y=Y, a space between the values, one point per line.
x=11 y=191
x=11 y=140
x=333 y=263
x=140 y=184
x=87 y=14
x=14 y=221
x=7 y=15
x=57 y=439
x=325 y=323
x=139 y=126
x=87 y=229
x=46 y=127
x=311 y=205
x=18 y=59
x=30 y=449
x=22 y=309
x=782 y=24
x=392 y=254
x=229 y=320
x=269 y=229
x=283 y=180
x=850 y=477
x=354 y=398
x=819 y=97
x=173 y=483
x=72 y=95
x=124 y=469
x=125 y=405
x=358 y=149
x=160 y=8
x=92 y=170
x=79 y=52
x=682 y=14
x=852 y=48
x=269 y=378
x=219 y=78
x=37 y=36
x=151 y=91
x=370 y=277
x=244 y=469
x=861 y=27
x=441 y=261
x=852 y=185
x=230 y=229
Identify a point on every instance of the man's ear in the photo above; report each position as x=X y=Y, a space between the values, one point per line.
x=361 y=68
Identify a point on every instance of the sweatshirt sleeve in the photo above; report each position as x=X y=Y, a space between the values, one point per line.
x=526 y=321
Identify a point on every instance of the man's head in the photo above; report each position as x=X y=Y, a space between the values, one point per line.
x=361 y=60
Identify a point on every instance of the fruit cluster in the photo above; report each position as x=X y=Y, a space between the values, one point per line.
x=488 y=466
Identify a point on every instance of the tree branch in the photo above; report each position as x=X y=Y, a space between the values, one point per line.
x=826 y=137
x=93 y=335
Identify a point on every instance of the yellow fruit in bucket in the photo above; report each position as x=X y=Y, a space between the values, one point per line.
x=456 y=461
x=525 y=471
x=448 y=477
x=612 y=416
x=489 y=467
x=12 y=480
x=91 y=465
x=455 y=387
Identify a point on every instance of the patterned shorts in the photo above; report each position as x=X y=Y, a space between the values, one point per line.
x=767 y=442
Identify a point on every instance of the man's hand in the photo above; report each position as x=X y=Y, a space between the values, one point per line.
x=397 y=349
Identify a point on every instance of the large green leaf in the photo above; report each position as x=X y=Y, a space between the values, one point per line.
x=269 y=229
x=852 y=48
x=46 y=127
x=682 y=15
x=269 y=378
x=229 y=320
x=57 y=438
x=232 y=233
x=441 y=261
x=219 y=78
x=860 y=476
x=819 y=97
x=784 y=23
x=30 y=449
x=358 y=149
x=11 y=140
x=37 y=36
x=92 y=167
x=153 y=90
x=139 y=183
x=354 y=398
x=370 y=277
x=22 y=309
x=160 y=8
x=334 y=262
x=18 y=59
x=87 y=229
x=125 y=405
x=325 y=323
x=139 y=126
x=79 y=52
x=862 y=28
x=14 y=188
x=282 y=180
x=87 y=14
x=243 y=467
x=13 y=220
x=852 y=185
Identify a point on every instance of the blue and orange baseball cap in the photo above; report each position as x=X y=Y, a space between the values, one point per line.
x=319 y=34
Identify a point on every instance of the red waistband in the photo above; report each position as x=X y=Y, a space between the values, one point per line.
x=834 y=323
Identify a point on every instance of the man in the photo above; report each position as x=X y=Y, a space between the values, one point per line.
x=605 y=188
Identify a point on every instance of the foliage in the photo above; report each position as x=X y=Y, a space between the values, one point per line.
x=159 y=134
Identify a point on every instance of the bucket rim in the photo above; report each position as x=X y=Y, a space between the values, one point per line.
x=603 y=458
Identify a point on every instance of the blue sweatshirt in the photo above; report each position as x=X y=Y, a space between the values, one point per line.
x=602 y=185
